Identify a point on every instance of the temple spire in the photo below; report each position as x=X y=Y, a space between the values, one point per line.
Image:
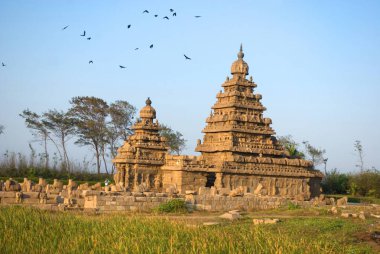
x=241 y=54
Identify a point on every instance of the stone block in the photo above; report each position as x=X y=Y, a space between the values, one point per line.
x=342 y=201
x=120 y=208
x=204 y=191
x=7 y=194
x=137 y=194
x=230 y=216
x=149 y=194
x=133 y=208
x=30 y=194
x=141 y=199
x=31 y=201
x=8 y=200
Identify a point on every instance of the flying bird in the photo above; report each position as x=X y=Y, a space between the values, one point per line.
x=65 y=27
x=136 y=48
x=89 y=38
x=186 y=57
x=174 y=14
x=166 y=17
x=3 y=64
x=90 y=62
x=151 y=46
x=122 y=67
x=171 y=10
x=129 y=26
x=156 y=15
x=197 y=16
x=84 y=33
x=146 y=11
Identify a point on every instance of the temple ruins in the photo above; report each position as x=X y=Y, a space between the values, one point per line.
x=239 y=152
x=241 y=165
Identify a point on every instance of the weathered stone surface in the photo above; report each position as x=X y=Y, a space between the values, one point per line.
x=258 y=189
x=210 y=223
x=334 y=210
x=230 y=216
x=342 y=201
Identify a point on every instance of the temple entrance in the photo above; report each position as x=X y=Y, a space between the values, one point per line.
x=210 y=179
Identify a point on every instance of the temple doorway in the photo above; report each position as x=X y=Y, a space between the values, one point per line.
x=210 y=179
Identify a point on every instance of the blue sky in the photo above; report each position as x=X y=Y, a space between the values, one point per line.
x=316 y=63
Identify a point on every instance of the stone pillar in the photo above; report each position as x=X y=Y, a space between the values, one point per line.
x=218 y=180
x=135 y=183
x=126 y=177
x=147 y=181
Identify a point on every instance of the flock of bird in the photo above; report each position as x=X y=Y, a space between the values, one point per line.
x=173 y=14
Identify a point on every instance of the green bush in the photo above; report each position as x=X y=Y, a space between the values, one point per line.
x=335 y=182
x=366 y=183
x=173 y=206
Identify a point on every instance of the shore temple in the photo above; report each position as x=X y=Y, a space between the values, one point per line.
x=238 y=152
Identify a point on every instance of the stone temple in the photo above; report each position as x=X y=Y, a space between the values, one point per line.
x=239 y=151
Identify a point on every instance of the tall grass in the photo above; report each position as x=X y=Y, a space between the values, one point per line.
x=26 y=230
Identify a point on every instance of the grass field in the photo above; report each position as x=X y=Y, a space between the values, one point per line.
x=27 y=230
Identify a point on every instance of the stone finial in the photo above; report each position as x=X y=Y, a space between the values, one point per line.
x=148 y=102
x=250 y=78
x=241 y=54
x=227 y=78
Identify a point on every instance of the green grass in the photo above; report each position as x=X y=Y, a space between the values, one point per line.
x=27 y=230
x=172 y=206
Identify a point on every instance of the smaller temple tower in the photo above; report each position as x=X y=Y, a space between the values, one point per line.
x=140 y=158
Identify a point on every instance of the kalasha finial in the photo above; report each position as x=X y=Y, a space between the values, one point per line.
x=148 y=102
x=241 y=54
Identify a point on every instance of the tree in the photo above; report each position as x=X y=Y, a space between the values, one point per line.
x=335 y=182
x=122 y=114
x=291 y=146
x=359 y=149
x=62 y=126
x=34 y=122
x=119 y=127
x=175 y=139
x=316 y=155
x=90 y=121
x=1 y=129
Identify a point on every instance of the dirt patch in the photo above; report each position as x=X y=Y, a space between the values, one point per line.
x=367 y=238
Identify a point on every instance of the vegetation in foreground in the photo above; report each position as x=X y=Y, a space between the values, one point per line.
x=35 y=231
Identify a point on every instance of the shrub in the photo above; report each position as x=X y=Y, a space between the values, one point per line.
x=335 y=182
x=366 y=183
x=173 y=206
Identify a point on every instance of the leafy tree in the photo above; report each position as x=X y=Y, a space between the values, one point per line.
x=291 y=146
x=90 y=121
x=1 y=129
x=366 y=183
x=122 y=114
x=35 y=122
x=62 y=126
x=359 y=149
x=119 y=127
x=316 y=155
x=335 y=182
x=175 y=139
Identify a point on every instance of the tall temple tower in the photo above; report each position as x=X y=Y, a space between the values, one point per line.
x=139 y=160
x=236 y=130
x=239 y=150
